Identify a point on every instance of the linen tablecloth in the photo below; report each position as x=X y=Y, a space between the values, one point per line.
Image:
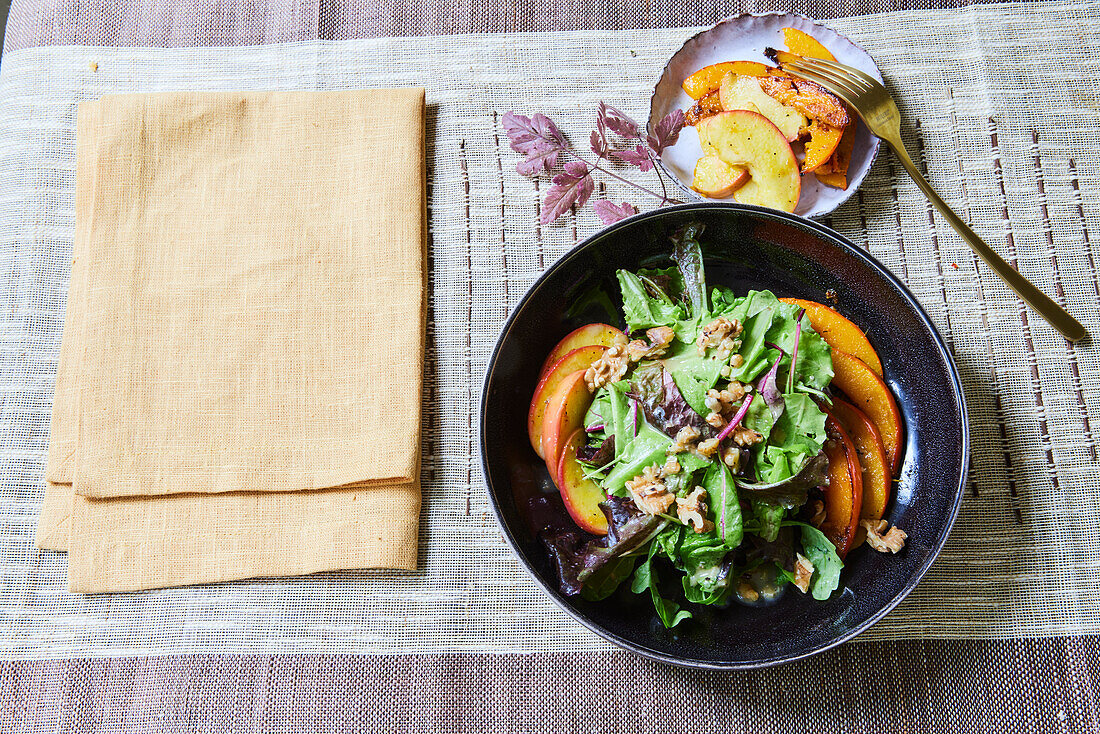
x=889 y=683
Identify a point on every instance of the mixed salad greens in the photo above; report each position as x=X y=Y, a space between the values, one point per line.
x=708 y=446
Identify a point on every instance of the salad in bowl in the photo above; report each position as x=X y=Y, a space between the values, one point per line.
x=726 y=446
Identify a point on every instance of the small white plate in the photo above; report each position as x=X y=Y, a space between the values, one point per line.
x=744 y=38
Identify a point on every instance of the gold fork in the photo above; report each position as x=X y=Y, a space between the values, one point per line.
x=873 y=104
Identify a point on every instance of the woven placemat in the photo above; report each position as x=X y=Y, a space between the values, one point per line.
x=1006 y=128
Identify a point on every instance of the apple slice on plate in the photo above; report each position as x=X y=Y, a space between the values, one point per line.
x=582 y=496
x=716 y=179
x=709 y=78
x=742 y=92
x=743 y=138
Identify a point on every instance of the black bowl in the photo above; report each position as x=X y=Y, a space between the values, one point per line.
x=745 y=247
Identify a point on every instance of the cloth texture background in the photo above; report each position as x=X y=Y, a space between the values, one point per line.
x=175 y=23
x=320 y=250
x=962 y=687
x=1006 y=106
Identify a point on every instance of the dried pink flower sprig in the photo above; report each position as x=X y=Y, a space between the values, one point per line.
x=616 y=137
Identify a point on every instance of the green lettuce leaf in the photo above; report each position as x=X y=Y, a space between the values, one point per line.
x=770 y=517
x=724 y=505
x=756 y=312
x=604 y=582
x=800 y=431
x=688 y=256
x=643 y=311
x=827 y=564
x=814 y=368
x=645 y=578
x=648 y=447
x=619 y=420
x=599 y=413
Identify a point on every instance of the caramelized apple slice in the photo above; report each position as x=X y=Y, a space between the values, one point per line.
x=872 y=460
x=581 y=495
x=707 y=79
x=838 y=332
x=844 y=493
x=870 y=394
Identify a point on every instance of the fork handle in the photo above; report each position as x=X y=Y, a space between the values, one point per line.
x=1055 y=315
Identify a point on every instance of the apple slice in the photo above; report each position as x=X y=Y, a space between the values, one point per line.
x=844 y=494
x=741 y=92
x=578 y=359
x=839 y=333
x=565 y=411
x=803 y=44
x=709 y=78
x=582 y=496
x=871 y=395
x=716 y=179
x=743 y=138
x=588 y=335
x=872 y=459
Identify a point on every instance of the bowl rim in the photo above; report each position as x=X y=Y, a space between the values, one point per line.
x=829 y=235
x=695 y=196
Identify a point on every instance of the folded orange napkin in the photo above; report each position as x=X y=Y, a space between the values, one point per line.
x=245 y=332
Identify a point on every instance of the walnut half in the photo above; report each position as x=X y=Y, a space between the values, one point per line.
x=649 y=493
x=803 y=572
x=883 y=540
x=692 y=510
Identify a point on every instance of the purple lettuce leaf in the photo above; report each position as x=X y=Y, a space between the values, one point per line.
x=792 y=491
x=768 y=389
x=575 y=560
x=663 y=404
x=597 y=455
